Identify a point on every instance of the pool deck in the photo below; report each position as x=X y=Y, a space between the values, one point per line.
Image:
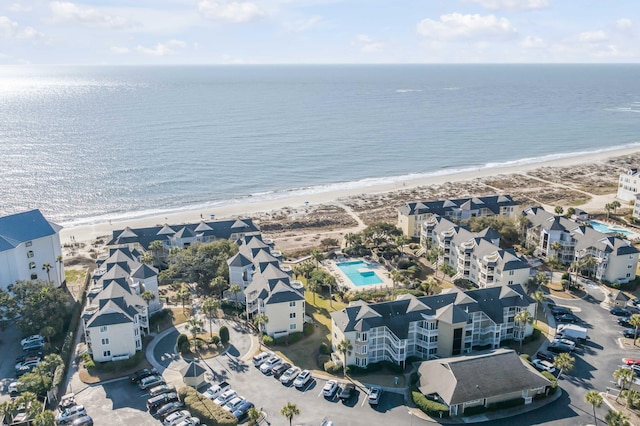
x=344 y=281
x=613 y=226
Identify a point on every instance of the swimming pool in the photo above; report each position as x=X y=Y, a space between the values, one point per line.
x=359 y=273
x=602 y=227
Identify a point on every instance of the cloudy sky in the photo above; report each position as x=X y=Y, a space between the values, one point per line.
x=318 y=31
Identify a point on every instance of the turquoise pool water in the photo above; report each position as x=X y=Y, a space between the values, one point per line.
x=601 y=227
x=354 y=271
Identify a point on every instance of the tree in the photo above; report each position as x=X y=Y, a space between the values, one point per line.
x=589 y=262
x=558 y=210
x=632 y=398
x=8 y=309
x=401 y=241
x=219 y=285
x=615 y=205
x=539 y=297
x=616 y=418
x=434 y=257
x=635 y=322
x=254 y=415
x=210 y=309
x=194 y=325
x=148 y=296
x=224 y=335
x=521 y=320
x=345 y=347
x=59 y=261
x=557 y=248
x=396 y=277
x=184 y=296
x=39 y=304
x=429 y=286
x=36 y=382
x=623 y=376
x=147 y=258
x=571 y=211
x=595 y=399
x=564 y=362
x=289 y=411
x=260 y=321
x=46 y=418
x=317 y=257
x=157 y=248
x=608 y=207
x=235 y=289
x=47 y=267
x=542 y=278
x=48 y=332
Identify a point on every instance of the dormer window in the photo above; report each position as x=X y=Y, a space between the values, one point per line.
x=30 y=254
x=32 y=265
x=28 y=244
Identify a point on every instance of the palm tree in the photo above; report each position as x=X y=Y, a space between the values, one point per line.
x=576 y=266
x=59 y=261
x=45 y=418
x=401 y=241
x=48 y=332
x=429 y=286
x=542 y=278
x=47 y=267
x=623 y=376
x=396 y=277
x=538 y=296
x=564 y=362
x=317 y=256
x=183 y=295
x=595 y=399
x=557 y=248
x=589 y=262
x=156 y=247
x=558 y=210
x=219 y=284
x=616 y=418
x=437 y=252
x=147 y=258
x=345 y=347
x=260 y=321
x=521 y=320
x=635 y=322
x=235 y=289
x=289 y=411
x=210 y=309
x=254 y=415
x=148 y=296
x=313 y=286
x=350 y=238
x=194 y=325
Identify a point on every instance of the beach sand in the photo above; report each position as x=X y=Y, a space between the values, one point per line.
x=590 y=179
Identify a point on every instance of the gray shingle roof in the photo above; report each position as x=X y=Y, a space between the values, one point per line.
x=440 y=207
x=22 y=227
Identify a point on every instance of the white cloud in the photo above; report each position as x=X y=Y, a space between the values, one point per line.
x=592 y=37
x=512 y=4
x=116 y=50
x=17 y=7
x=12 y=30
x=368 y=44
x=162 y=49
x=532 y=42
x=624 y=24
x=303 y=25
x=64 y=12
x=235 y=12
x=456 y=26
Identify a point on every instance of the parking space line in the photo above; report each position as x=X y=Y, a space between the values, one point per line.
x=363 y=400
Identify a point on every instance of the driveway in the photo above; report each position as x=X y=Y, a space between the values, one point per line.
x=10 y=344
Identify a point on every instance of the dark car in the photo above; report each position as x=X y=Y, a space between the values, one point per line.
x=141 y=374
x=242 y=412
x=279 y=369
x=158 y=401
x=619 y=312
x=546 y=356
x=570 y=318
x=624 y=321
x=29 y=354
x=346 y=391
x=559 y=348
x=629 y=333
x=169 y=408
x=559 y=310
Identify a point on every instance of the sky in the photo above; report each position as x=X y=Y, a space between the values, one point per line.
x=113 y=32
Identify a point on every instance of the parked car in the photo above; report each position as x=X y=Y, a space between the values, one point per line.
x=543 y=365
x=169 y=408
x=634 y=302
x=374 y=395
x=175 y=417
x=29 y=354
x=216 y=390
x=150 y=382
x=570 y=318
x=289 y=375
x=546 y=356
x=83 y=421
x=266 y=367
x=279 y=369
x=559 y=348
x=559 y=310
x=189 y=421
x=619 y=312
x=27 y=341
x=70 y=414
x=630 y=333
x=29 y=362
x=15 y=388
x=33 y=346
x=159 y=400
x=624 y=321
x=160 y=389
x=346 y=391
x=330 y=388
x=225 y=397
x=141 y=374
x=243 y=411
x=67 y=401
x=567 y=342
x=24 y=370
x=261 y=358
x=235 y=403
x=303 y=378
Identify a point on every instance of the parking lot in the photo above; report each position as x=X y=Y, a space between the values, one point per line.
x=10 y=343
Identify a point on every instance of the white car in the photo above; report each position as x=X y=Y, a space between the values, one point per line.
x=302 y=379
x=225 y=397
x=14 y=388
x=567 y=342
x=261 y=357
x=176 y=417
x=216 y=390
x=29 y=362
x=289 y=375
x=374 y=395
x=27 y=341
x=151 y=381
x=543 y=365
x=270 y=363
x=70 y=414
x=191 y=421
x=234 y=404
x=330 y=388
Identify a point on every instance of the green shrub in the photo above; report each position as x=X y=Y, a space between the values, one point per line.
x=526 y=357
x=182 y=338
x=322 y=359
x=551 y=378
x=308 y=328
x=215 y=339
x=332 y=368
x=324 y=349
x=509 y=403
x=289 y=339
x=413 y=378
x=429 y=407
x=224 y=335
x=89 y=364
x=470 y=411
x=267 y=340
x=206 y=410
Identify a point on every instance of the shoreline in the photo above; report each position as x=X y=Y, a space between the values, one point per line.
x=88 y=232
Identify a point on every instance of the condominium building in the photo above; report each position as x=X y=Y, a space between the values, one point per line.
x=30 y=249
x=411 y=216
x=612 y=258
x=443 y=325
x=628 y=184
x=476 y=257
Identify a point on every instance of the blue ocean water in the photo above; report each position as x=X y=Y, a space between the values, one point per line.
x=92 y=143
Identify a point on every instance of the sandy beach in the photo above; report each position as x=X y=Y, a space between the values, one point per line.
x=593 y=175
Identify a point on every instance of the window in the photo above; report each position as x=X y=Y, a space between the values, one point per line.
x=433 y=351
x=104 y=329
x=363 y=337
x=136 y=332
x=34 y=276
x=292 y=315
x=292 y=304
x=433 y=338
x=28 y=244
x=30 y=254
x=138 y=344
x=32 y=265
x=106 y=353
x=363 y=350
x=511 y=272
x=510 y=282
x=292 y=326
x=105 y=341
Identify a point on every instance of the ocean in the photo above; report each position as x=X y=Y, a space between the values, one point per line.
x=90 y=144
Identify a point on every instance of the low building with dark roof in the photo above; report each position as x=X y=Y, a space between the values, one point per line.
x=483 y=379
x=412 y=215
x=28 y=242
x=442 y=325
x=604 y=255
